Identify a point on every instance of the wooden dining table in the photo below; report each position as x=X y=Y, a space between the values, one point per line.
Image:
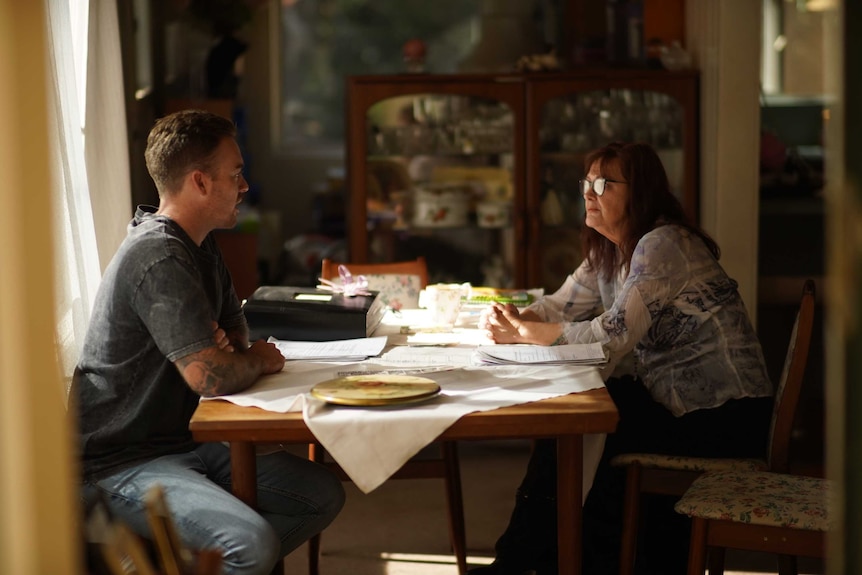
x=566 y=418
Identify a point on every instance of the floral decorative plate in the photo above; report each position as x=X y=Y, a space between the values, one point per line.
x=375 y=389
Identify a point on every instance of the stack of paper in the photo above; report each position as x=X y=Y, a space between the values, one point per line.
x=573 y=353
x=340 y=350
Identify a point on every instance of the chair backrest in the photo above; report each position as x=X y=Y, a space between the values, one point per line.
x=789 y=386
x=399 y=283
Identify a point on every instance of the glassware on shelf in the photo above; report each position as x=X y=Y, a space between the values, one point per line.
x=675 y=57
x=476 y=138
x=587 y=120
x=439 y=124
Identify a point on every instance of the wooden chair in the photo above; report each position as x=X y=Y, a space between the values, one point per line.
x=112 y=548
x=757 y=511
x=399 y=283
x=417 y=267
x=673 y=475
x=445 y=467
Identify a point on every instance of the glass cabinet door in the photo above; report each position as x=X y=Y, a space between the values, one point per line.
x=479 y=173
x=439 y=183
x=576 y=123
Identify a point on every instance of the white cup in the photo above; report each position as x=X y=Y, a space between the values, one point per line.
x=444 y=302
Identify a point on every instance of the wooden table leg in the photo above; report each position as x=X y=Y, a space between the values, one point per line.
x=243 y=472
x=455 y=504
x=570 y=464
x=697 y=547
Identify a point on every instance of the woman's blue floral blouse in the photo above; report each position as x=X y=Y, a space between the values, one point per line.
x=694 y=345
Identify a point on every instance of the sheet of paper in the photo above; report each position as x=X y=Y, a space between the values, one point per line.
x=428 y=356
x=424 y=339
x=579 y=353
x=340 y=350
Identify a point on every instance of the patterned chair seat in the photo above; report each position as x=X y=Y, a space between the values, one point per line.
x=760 y=498
x=676 y=462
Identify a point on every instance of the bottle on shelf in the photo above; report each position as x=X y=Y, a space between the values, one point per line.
x=625 y=43
x=551 y=210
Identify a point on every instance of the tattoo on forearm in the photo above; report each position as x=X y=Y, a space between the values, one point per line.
x=209 y=376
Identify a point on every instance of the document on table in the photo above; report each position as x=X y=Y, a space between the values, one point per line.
x=573 y=353
x=427 y=356
x=340 y=350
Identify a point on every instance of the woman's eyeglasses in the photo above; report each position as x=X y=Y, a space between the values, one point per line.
x=598 y=185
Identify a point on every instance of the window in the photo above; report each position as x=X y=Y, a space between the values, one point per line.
x=323 y=41
x=792 y=58
x=793 y=103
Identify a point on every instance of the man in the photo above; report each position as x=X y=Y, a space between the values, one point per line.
x=167 y=327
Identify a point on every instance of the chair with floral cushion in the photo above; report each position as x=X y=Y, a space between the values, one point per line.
x=399 y=284
x=672 y=475
x=757 y=511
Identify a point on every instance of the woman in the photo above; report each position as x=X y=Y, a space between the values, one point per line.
x=686 y=369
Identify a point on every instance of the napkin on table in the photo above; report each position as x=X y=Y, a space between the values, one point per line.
x=370 y=444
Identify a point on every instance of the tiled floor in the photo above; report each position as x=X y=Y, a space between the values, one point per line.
x=401 y=528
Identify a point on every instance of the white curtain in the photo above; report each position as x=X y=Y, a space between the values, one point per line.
x=106 y=146
x=85 y=75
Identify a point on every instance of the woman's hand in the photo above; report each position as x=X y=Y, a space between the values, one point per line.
x=506 y=324
x=502 y=323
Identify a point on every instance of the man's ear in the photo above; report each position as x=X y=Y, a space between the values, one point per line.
x=200 y=181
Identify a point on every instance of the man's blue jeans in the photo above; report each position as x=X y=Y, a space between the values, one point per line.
x=296 y=499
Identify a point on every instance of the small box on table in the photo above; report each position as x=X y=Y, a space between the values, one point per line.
x=309 y=314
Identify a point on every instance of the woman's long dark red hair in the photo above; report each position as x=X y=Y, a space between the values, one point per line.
x=651 y=204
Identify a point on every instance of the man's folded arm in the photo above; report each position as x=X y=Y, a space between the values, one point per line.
x=238 y=336
x=213 y=371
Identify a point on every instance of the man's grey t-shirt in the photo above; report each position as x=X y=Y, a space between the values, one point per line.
x=155 y=304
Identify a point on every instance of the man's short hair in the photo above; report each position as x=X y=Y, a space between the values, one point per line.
x=182 y=142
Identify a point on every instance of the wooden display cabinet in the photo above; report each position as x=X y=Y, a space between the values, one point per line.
x=478 y=173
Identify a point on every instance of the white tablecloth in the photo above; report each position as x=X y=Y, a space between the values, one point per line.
x=372 y=443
